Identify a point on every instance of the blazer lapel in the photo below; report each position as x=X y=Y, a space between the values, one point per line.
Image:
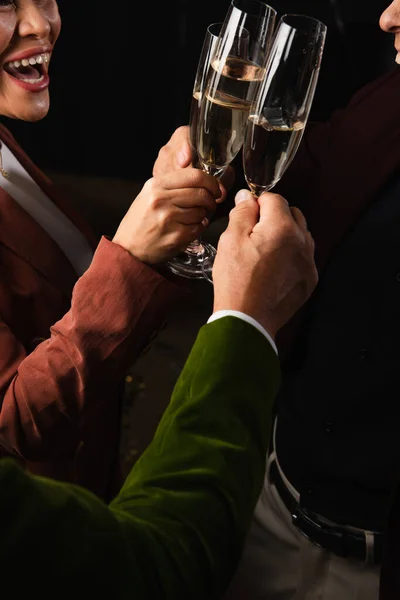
x=48 y=187
x=20 y=232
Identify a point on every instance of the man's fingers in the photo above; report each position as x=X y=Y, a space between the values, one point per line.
x=299 y=218
x=302 y=223
x=273 y=206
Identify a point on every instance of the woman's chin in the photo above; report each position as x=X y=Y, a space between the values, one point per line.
x=33 y=108
x=37 y=109
x=31 y=113
x=36 y=116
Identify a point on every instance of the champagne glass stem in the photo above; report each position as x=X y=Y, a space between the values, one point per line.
x=195 y=247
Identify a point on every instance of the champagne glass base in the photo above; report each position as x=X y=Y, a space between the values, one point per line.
x=189 y=264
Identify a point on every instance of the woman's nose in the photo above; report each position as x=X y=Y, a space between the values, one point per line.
x=32 y=21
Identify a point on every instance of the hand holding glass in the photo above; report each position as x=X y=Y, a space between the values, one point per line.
x=279 y=113
x=189 y=263
x=229 y=70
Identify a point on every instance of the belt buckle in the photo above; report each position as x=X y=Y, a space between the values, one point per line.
x=324 y=536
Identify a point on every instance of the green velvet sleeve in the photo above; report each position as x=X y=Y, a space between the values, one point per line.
x=177 y=528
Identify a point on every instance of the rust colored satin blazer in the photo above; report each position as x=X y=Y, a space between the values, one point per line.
x=65 y=345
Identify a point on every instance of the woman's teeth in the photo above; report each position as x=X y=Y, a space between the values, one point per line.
x=39 y=59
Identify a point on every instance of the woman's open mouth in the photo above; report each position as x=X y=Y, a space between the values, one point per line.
x=31 y=71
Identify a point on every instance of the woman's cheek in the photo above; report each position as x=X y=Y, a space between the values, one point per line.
x=8 y=23
x=53 y=17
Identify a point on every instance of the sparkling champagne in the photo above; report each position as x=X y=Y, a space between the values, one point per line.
x=269 y=147
x=224 y=111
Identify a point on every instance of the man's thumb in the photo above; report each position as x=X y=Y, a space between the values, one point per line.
x=244 y=195
x=246 y=212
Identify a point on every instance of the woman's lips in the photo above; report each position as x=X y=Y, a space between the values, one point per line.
x=47 y=49
x=30 y=72
x=32 y=86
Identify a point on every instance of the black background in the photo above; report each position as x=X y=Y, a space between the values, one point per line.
x=122 y=76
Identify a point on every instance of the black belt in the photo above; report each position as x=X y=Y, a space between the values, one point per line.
x=334 y=538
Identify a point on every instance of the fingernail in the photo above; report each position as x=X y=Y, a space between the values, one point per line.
x=242 y=195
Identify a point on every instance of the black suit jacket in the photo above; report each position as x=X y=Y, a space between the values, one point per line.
x=340 y=168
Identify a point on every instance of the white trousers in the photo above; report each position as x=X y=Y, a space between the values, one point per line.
x=280 y=563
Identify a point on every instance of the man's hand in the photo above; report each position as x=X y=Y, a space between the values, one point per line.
x=265 y=261
x=178 y=154
x=171 y=210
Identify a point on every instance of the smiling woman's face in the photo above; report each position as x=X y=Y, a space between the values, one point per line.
x=28 y=31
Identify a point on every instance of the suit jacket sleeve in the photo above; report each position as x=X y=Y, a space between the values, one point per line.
x=116 y=307
x=177 y=528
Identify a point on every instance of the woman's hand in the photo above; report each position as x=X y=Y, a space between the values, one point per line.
x=178 y=154
x=170 y=212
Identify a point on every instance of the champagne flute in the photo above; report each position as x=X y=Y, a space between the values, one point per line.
x=236 y=71
x=206 y=55
x=231 y=65
x=280 y=111
x=189 y=263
